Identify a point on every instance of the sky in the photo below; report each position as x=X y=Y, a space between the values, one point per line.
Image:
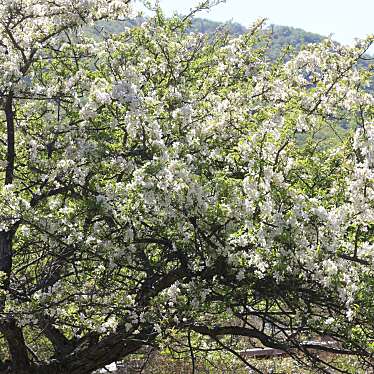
x=344 y=19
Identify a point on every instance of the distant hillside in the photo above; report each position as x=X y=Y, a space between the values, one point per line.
x=281 y=36
x=207 y=26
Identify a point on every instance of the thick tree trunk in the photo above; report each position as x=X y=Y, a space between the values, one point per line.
x=84 y=360
x=5 y=258
x=97 y=355
x=11 y=151
x=17 y=347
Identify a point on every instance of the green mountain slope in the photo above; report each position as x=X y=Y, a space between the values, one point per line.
x=281 y=36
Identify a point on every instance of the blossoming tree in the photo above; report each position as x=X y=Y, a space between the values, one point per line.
x=156 y=181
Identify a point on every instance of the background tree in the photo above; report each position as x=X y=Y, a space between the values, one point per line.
x=157 y=181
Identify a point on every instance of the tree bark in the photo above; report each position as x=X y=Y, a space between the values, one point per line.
x=11 y=153
x=85 y=359
x=17 y=347
x=5 y=260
